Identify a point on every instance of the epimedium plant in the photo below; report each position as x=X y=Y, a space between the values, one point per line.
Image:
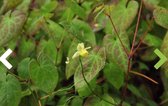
x=83 y=52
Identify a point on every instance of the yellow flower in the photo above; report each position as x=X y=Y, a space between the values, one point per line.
x=81 y=51
x=67 y=61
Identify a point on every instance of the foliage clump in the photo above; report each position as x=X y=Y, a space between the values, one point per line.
x=84 y=52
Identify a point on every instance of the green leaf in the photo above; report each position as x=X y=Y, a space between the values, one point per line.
x=122 y=16
x=71 y=67
x=78 y=10
x=62 y=101
x=2 y=74
x=38 y=17
x=23 y=68
x=43 y=73
x=92 y=65
x=67 y=15
x=35 y=22
x=108 y=98
x=59 y=35
x=11 y=25
x=49 y=6
x=114 y=75
x=49 y=49
x=92 y=101
x=95 y=101
x=77 y=101
x=82 y=31
x=26 y=47
x=85 y=91
x=56 y=32
x=134 y=90
x=152 y=40
x=161 y=16
x=24 y=6
x=115 y=51
x=10 y=90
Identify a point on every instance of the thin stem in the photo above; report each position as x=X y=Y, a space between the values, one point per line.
x=115 y=30
x=143 y=37
x=34 y=97
x=39 y=102
x=68 y=100
x=136 y=29
x=126 y=83
x=55 y=92
x=91 y=87
x=144 y=76
x=124 y=91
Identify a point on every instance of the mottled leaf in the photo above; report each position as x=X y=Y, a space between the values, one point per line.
x=115 y=51
x=92 y=65
x=161 y=16
x=122 y=16
x=11 y=25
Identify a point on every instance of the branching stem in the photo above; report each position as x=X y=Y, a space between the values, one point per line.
x=124 y=91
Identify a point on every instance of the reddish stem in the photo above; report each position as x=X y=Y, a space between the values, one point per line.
x=124 y=91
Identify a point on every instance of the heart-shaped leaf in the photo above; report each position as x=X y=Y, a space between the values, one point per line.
x=11 y=25
x=115 y=51
x=92 y=65
x=10 y=90
x=122 y=16
x=49 y=48
x=43 y=73
x=83 y=31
